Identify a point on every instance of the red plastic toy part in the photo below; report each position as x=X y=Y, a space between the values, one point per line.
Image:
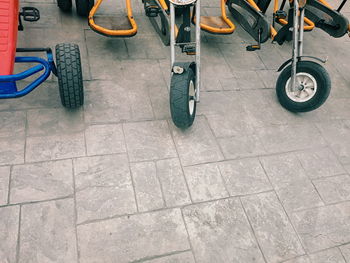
x=8 y=35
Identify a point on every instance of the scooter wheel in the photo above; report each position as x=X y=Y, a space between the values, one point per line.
x=83 y=7
x=182 y=98
x=69 y=74
x=65 y=5
x=313 y=83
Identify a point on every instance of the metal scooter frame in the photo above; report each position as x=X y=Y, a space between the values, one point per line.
x=173 y=44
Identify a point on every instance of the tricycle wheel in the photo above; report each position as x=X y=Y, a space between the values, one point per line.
x=65 y=5
x=182 y=98
x=313 y=87
x=83 y=7
x=69 y=74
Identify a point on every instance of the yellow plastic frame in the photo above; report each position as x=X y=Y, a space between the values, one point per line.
x=110 y=32
x=216 y=30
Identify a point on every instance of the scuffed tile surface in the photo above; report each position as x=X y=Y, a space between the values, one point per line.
x=12 y=150
x=219 y=232
x=323 y=227
x=55 y=147
x=197 y=144
x=244 y=177
x=173 y=182
x=54 y=237
x=185 y=257
x=4 y=184
x=9 y=220
x=147 y=186
x=334 y=189
x=105 y=139
x=272 y=228
x=149 y=141
x=103 y=187
x=133 y=238
x=288 y=178
x=41 y=181
x=320 y=163
x=345 y=250
x=205 y=182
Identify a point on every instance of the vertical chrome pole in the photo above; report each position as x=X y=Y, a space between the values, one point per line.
x=198 y=48
x=295 y=44
x=172 y=35
x=301 y=32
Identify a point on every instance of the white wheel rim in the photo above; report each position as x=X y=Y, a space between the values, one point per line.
x=306 y=87
x=192 y=97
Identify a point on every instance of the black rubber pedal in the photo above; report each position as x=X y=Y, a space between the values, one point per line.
x=30 y=14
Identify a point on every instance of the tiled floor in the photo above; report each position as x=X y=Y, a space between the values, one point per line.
x=116 y=181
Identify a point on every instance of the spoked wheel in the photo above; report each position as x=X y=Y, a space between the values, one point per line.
x=69 y=74
x=313 y=86
x=183 y=98
x=65 y=5
x=83 y=7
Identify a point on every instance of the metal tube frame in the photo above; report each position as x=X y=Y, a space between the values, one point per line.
x=298 y=38
x=197 y=43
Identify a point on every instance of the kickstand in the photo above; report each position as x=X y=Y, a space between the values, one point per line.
x=257 y=46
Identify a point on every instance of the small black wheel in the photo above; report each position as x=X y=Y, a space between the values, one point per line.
x=182 y=98
x=83 y=7
x=313 y=87
x=65 y=5
x=69 y=74
x=178 y=9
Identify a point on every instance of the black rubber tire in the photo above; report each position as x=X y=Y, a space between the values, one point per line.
x=179 y=99
x=323 y=87
x=69 y=74
x=64 y=5
x=83 y=7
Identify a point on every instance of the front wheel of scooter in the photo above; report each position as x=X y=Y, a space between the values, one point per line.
x=313 y=87
x=182 y=98
x=69 y=74
x=83 y=7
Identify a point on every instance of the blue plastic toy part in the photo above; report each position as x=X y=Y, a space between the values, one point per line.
x=8 y=87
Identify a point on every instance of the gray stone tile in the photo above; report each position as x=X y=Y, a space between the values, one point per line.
x=43 y=122
x=288 y=178
x=12 y=150
x=272 y=228
x=185 y=257
x=219 y=232
x=48 y=232
x=337 y=135
x=147 y=186
x=197 y=144
x=332 y=255
x=149 y=141
x=133 y=238
x=241 y=146
x=4 y=184
x=345 y=250
x=333 y=189
x=244 y=176
x=45 y=148
x=323 y=227
x=320 y=163
x=105 y=139
x=12 y=124
x=41 y=181
x=9 y=233
x=249 y=79
x=173 y=182
x=103 y=187
x=302 y=259
x=205 y=182
x=290 y=137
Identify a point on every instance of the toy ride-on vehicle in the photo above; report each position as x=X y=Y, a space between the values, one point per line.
x=185 y=76
x=67 y=68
